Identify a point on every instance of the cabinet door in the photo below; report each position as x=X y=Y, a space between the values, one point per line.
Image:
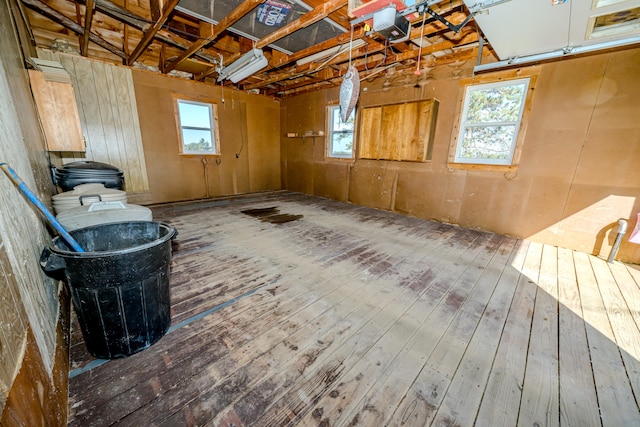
x=402 y=131
x=369 y=134
x=58 y=113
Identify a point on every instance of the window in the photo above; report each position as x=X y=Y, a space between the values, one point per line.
x=198 y=130
x=340 y=134
x=490 y=122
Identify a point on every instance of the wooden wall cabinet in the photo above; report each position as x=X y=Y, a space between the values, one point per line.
x=58 y=112
x=402 y=131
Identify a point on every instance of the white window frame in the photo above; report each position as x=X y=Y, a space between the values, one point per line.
x=331 y=111
x=212 y=129
x=464 y=124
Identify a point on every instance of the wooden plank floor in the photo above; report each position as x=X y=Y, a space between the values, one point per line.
x=353 y=316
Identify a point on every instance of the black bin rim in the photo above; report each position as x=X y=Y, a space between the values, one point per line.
x=54 y=248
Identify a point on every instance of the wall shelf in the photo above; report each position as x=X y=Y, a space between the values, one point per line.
x=308 y=134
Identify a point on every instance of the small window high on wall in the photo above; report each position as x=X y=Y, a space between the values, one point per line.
x=198 y=127
x=340 y=134
x=490 y=122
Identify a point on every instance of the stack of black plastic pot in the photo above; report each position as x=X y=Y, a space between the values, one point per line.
x=88 y=172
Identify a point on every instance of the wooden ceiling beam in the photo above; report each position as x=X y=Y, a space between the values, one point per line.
x=470 y=36
x=131 y=19
x=79 y=19
x=125 y=33
x=155 y=7
x=359 y=33
x=123 y=15
x=148 y=36
x=90 y=7
x=338 y=16
x=311 y=50
x=292 y=86
x=372 y=48
x=309 y=18
x=244 y=8
x=70 y=24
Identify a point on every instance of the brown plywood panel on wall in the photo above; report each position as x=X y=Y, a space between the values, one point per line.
x=369 y=132
x=58 y=113
x=331 y=180
x=410 y=128
x=300 y=177
x=263 y=135
x=392 y=131
x=431 y=195
x=611 y=157
x=233 y=170
x=371 y=184
x=248 y=127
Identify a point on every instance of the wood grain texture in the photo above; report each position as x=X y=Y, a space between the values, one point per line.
x=578 y=400
x=109 y=117
x=399 y=131
x=355 y=316
x=56 y=104
x=369 y=132
x=13 y=325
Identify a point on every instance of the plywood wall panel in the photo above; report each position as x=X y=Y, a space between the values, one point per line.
x=330 y=181
x=263 y=122
x=369 y=131
x=300 y=176
x=611 y=156
x=371 y=183
x=391 y=131
x=431 y=195
x=241 y=117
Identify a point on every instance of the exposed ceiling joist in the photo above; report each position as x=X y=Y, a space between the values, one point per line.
x=318 y=13
x=315 y=15
x=88 y=20
x=148 y=36
x=140 y=23
x=70 y=24
x=214 y=31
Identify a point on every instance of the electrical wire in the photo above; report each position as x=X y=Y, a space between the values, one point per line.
x=350 y=46
x=384 y=58
x=242 y=136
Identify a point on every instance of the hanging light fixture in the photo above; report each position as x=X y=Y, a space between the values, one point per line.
x=248 y=64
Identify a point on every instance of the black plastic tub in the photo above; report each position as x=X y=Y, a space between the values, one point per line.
x=88 y=172
x=119 y=285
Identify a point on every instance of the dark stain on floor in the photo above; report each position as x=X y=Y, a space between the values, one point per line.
x=272 y=215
